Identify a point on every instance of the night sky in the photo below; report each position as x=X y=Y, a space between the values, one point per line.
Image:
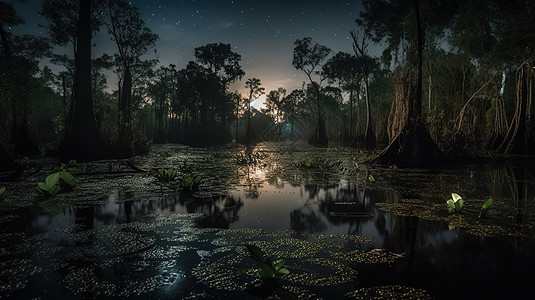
x=262 y=32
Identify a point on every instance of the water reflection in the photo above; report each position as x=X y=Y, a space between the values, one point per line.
x=432 y=252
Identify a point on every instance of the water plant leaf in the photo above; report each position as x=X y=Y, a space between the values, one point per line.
x=256 y=253
x=487 y=204
x=278 y=264
x=188 y=181
x=370 y=178
x=197 y=179
x=3 y=192
x=67 y=178
x=455 y=203
x=48 y=190
x=265 y=270
x=52 y=179
x=356 y=165
x=281 y=272
x=171 y=172
x=451 y=204
x=459 y=205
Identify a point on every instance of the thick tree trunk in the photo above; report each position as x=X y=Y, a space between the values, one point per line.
x=412 y=146
x=125 y=142
x=399 y=110
x=83 y=141
x=520 y=138
x=6 y=162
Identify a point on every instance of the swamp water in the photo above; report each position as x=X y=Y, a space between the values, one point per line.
x=121 y=232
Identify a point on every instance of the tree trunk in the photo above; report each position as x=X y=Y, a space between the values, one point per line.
x=320 y=133
x=125 y=142
x=6 y=162
x=370 y=142
x=83 y=142
x=520 y=138
x=412 y=145
x=5 y=42
x=351 y=115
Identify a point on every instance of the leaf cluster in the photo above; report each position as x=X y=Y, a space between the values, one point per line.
x=267 y=269
x=72 y=167
x=306 y=57
x=55 y=183
x=165 y=174
x=456 y=203
x=191 y=182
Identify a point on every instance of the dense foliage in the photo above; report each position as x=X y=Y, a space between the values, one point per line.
x=475 y=90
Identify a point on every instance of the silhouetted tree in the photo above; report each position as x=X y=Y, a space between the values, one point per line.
x=162 y=91
x=307 y=58
x=133 y=39
x=412 y=146
x=83 y=140
x=220 y=60
x=366 y=64
x=202 y=98
x=19 y=62
x=255 y=91
x=62 y=26
x=344 y=68
x=275 y=105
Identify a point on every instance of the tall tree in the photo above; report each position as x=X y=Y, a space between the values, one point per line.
x=275 y=106
x=220 y=60
x=400 y=22
x=62 y=26
x=203 y=88
x=498 y=36
x=345 y=69
x=307 y=58
x=366 y=64
x=8 y=17
x=133 y=39
x=162 y=91
x=83 y=141
x=19 y=63
x=255 y=90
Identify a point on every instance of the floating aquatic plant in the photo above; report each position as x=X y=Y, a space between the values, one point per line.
x=371 y=178
x=72 y=167
x=485 y=207
x=455 y=203
x=267 y=269
x=3 y=192
x=165 y=174
x=191 y=182
x=55 y=182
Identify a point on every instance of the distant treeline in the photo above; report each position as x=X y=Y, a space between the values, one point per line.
x=460 y=72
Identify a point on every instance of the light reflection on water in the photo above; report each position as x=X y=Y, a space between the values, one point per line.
x=432 y=252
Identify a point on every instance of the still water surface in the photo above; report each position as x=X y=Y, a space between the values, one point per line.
x=341 y=236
